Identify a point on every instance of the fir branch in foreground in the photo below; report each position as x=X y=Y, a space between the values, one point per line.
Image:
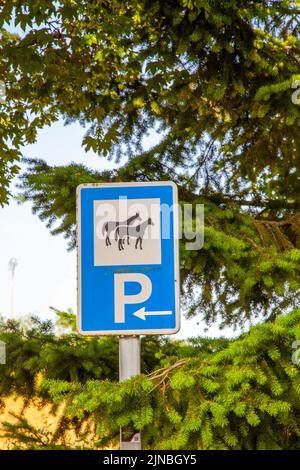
x=245 y=396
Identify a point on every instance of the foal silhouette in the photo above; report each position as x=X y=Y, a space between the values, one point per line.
x=136 y=231
x=110 y=226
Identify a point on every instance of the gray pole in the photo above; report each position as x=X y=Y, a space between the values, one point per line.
x=129 y=366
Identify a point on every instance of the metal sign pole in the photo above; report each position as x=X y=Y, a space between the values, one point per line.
x=111 y=236
x=129 y=366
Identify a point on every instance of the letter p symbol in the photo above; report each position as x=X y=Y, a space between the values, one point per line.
x=121 y=299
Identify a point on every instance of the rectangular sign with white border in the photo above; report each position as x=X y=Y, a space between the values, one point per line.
x=127 y=257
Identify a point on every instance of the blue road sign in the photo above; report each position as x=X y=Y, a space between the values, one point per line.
x=128 y=267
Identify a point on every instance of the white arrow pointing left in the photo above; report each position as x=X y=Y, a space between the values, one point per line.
x=141 y=313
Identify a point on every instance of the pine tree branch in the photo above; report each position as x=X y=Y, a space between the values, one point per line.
x=220 y=198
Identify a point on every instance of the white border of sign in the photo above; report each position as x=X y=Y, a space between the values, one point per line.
x=176 y=261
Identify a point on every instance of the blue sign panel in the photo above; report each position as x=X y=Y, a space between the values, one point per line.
x=128 y=268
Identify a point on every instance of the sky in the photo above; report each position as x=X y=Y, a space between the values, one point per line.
x=46 y=271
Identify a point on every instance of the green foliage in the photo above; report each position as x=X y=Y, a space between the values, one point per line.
x=200 y=393
x=25 y=436
x=35 y=352
x=248 y=266
x=65 y=320
x=241 y=394
x=214 y=77
x=215 y=80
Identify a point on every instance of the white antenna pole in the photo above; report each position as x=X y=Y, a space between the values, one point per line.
x=13 y=263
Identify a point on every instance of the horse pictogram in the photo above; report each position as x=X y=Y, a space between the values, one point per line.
x=111 y=226
x=136 y=231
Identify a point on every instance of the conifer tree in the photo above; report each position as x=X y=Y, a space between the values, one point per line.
x=215 y=80
x=241 y=395
x=204 y=393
